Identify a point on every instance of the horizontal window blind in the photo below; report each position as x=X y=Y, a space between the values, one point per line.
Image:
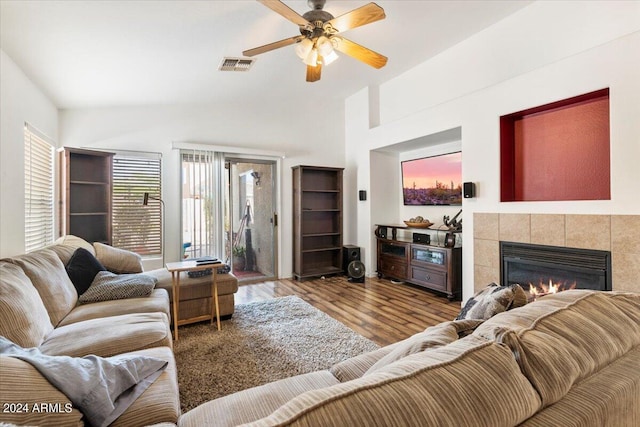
x=136 y=227
x=38 y=191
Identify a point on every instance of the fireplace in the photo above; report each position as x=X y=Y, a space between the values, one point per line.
x=543 y=269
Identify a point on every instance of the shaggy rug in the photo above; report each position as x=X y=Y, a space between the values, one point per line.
x=264 y=341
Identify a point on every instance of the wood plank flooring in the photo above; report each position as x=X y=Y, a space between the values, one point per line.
x=377 y=309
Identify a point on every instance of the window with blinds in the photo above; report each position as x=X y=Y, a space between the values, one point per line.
x=202 y=185
x=136 y=227
x=38 y=190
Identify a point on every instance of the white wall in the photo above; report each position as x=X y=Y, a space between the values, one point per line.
x=21 y=102
x=248 y=125
x=509 y=67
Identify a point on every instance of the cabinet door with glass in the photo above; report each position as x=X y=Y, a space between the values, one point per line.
x=429 y=256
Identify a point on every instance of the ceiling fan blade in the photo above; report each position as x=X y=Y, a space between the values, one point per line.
x=284 y=10
x=357 y=17
x=313 y=73
x=271 y=46
x=360 y=53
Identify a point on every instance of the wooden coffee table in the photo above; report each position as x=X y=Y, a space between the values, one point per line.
x=176 y=268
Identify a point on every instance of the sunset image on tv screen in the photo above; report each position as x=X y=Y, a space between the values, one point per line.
x=433 y=180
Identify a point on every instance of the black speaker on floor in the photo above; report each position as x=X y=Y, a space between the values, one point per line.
x=351 y=264
x=349 y=253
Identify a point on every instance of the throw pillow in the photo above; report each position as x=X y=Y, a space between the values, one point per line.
x=108 y=286
x=75 y=242
x=492 y=300
x=82 y=269
x=118 y=260
x=433 y=337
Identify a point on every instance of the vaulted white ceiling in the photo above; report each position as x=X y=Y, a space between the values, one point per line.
x=86 y=54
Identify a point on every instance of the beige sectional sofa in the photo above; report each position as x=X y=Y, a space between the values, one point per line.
x=571 y=359
x=38 y=308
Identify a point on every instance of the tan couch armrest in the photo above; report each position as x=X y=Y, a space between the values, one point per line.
x=27 y=398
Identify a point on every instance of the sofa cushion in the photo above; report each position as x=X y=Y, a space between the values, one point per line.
x=82 y=268
x=109 y=336
x=158 y=301
x=356 y=366
x=64 y=252
x=470 y=382
x=254 y=403
x=75 y=242
x=562 y=339
x=109 y=286
x=23 y=317
x=492 y=300
x=195 y=287
x=608 y=398
x=46 y=271
x=433 y=337
x=118 y=260
x=160 y=402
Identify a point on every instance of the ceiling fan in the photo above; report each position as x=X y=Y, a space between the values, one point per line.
x=319 y=39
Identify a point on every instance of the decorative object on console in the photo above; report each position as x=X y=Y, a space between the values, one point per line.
x=449 y=240
x=453 y=224
x=418 y=222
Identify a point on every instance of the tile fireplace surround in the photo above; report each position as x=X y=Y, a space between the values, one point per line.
x=619 y=234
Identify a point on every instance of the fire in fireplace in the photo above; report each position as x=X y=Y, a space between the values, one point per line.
x=542 y=269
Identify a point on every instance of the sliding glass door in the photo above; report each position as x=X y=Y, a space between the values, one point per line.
x=251 y=216
x=228 y=211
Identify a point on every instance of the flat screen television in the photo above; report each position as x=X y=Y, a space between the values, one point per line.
x=433 y=180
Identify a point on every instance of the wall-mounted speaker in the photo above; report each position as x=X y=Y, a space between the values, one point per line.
x=362 y=195
x=469 y=190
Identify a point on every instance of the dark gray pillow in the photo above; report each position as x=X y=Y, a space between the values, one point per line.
x=109 y=286
x=82 y=269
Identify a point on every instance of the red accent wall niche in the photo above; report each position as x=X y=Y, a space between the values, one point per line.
x=557 y=151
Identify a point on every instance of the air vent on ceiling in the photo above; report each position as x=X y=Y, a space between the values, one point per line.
x=236 y=64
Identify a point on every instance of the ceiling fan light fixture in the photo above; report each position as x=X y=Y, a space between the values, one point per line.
x=303 y=48
x=312 y=58
x=325 y=49
x=329 y=58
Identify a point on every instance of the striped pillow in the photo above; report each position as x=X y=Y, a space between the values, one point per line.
x=108 y=286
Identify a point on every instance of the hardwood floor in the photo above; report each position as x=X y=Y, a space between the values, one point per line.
x=377 y=309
